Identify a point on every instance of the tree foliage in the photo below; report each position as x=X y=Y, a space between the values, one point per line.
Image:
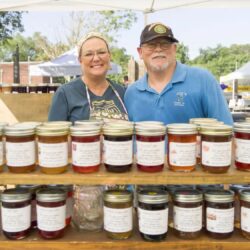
x=182 y=53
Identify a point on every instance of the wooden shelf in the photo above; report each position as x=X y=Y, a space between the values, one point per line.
x=134 y=177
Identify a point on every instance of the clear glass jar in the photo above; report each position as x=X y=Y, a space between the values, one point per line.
x=245 y=212
x=16 y=213
x=181 y=146
x=153 y=214
x=118 y=215
x=219 y=213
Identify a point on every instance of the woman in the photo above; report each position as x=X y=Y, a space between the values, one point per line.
x=92 y=95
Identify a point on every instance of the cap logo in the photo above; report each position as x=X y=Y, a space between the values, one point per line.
x=160 y=29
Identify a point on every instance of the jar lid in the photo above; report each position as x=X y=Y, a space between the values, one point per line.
x=28 y=124
x=30 y=188
x=118 y=129
x=15 y=195
x=57 y=124
x=245 y=194
x=66 y=188
x=173 y=188
x=202 y=120
x=117 y=196
x=205 y=188
x=188 y=196
x=150 y=128
x=85 y=130
x=52 y=131
x=220 y=196
x=216 y=130
x=90 y=122
x=51 y=194
x=181 y=128
x=19 y=130
x=153 y=196
x=242 y=127
x=236 y=188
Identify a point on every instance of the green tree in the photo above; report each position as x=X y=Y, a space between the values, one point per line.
x=182 y=53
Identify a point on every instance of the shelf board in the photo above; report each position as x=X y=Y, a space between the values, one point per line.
x=133 y=177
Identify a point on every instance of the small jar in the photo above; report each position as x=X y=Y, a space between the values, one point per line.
x=153 y=214
x=20 y=148
x=118 y=146
x=216 y=148
x=219 y=213
x=182 y=147
x=51 y=212
x=150 y=146
x=187 y=213
x=245 y=212
x=86 y=148
x=53 y=149
x=16 y=213
x=118 y=215
x=242 y=145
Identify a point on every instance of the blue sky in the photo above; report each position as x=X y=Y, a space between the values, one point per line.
x=197 y=28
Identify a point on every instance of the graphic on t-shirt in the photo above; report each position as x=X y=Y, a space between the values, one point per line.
x=180 y=99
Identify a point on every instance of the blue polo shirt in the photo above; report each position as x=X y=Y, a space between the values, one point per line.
x=191 y=93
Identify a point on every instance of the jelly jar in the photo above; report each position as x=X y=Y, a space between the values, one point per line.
x=245 y=212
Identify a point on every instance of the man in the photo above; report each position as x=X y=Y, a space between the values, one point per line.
x=172 y=92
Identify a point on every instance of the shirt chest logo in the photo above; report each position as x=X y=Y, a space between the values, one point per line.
x=180 y=99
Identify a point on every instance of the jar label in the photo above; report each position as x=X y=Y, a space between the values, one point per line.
x=118 y=152
x=52 y=155
x=182 y=154
x=245 y=219
x=86 y=154
x=150 y=153
x=20 y=154
x=216 y=154
x=1 y=153
x=118 y=220
x=16 y=219
x=220 y=220
x=187 y=219
x=51 y=218
x=198 y=146
x=153 y=222
x=242 y=149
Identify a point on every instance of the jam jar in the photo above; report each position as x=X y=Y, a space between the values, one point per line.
x=242 y=145
x=20 y=148
x=16 y=213
x=245 y=212
x=219 y=213
x=118 y=146
x=153 y=214
x=51 y=212
x=150 y=146
x=52 y=148
x=182 y=146
x=216 y=148
x=118 y=214
x=86 y=148
x=187 y=212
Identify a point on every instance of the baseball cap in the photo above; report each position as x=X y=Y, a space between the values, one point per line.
x=155 y=30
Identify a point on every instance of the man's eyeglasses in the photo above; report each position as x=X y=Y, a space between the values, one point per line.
x=90 y=54
x=150 y=46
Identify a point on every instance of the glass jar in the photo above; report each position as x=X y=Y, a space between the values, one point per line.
x=118 y=146
x=153 y=214
x=216 y=148
x=88 y=208
x=187 y=213
x=245 y=212
x=242 y=145
x=118 y=215
x=86 y=148
x=150 y=146
x=219 y=213
x=20 y=148
x=182 y=147
x=51 y=212
x=16 y=213
x=53 y=149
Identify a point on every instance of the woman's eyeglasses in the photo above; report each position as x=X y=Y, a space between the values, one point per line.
x=90 y=54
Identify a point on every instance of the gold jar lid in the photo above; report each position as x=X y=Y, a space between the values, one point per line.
x=150 y=128
x=243 y=127
x=57 y=124
x=28 y=124
x=202 y=120
x=15 y=195
x=187 y=195
x=219 y=196
x=19 y=130
x=82 y=131
x=118 y=128
x=90 y=122
x=245 y=194
x=52 y=131
x=153 y=196
x=117 y=196
x=181 y=128
x=51 y=194
x=216 y=130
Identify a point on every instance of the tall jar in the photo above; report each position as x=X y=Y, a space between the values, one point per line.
x=219 y=213
x=16 y=213
x=242 y=145
x=150 y=146
x=118 y=146
x=20 y=148
x=182 y=147
x=153 y=214
x=187 y=213
x=118 y=215
x=216 y=148
x=51 y=212
x=53 y=149
x=86 y=148
x=245 y=212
